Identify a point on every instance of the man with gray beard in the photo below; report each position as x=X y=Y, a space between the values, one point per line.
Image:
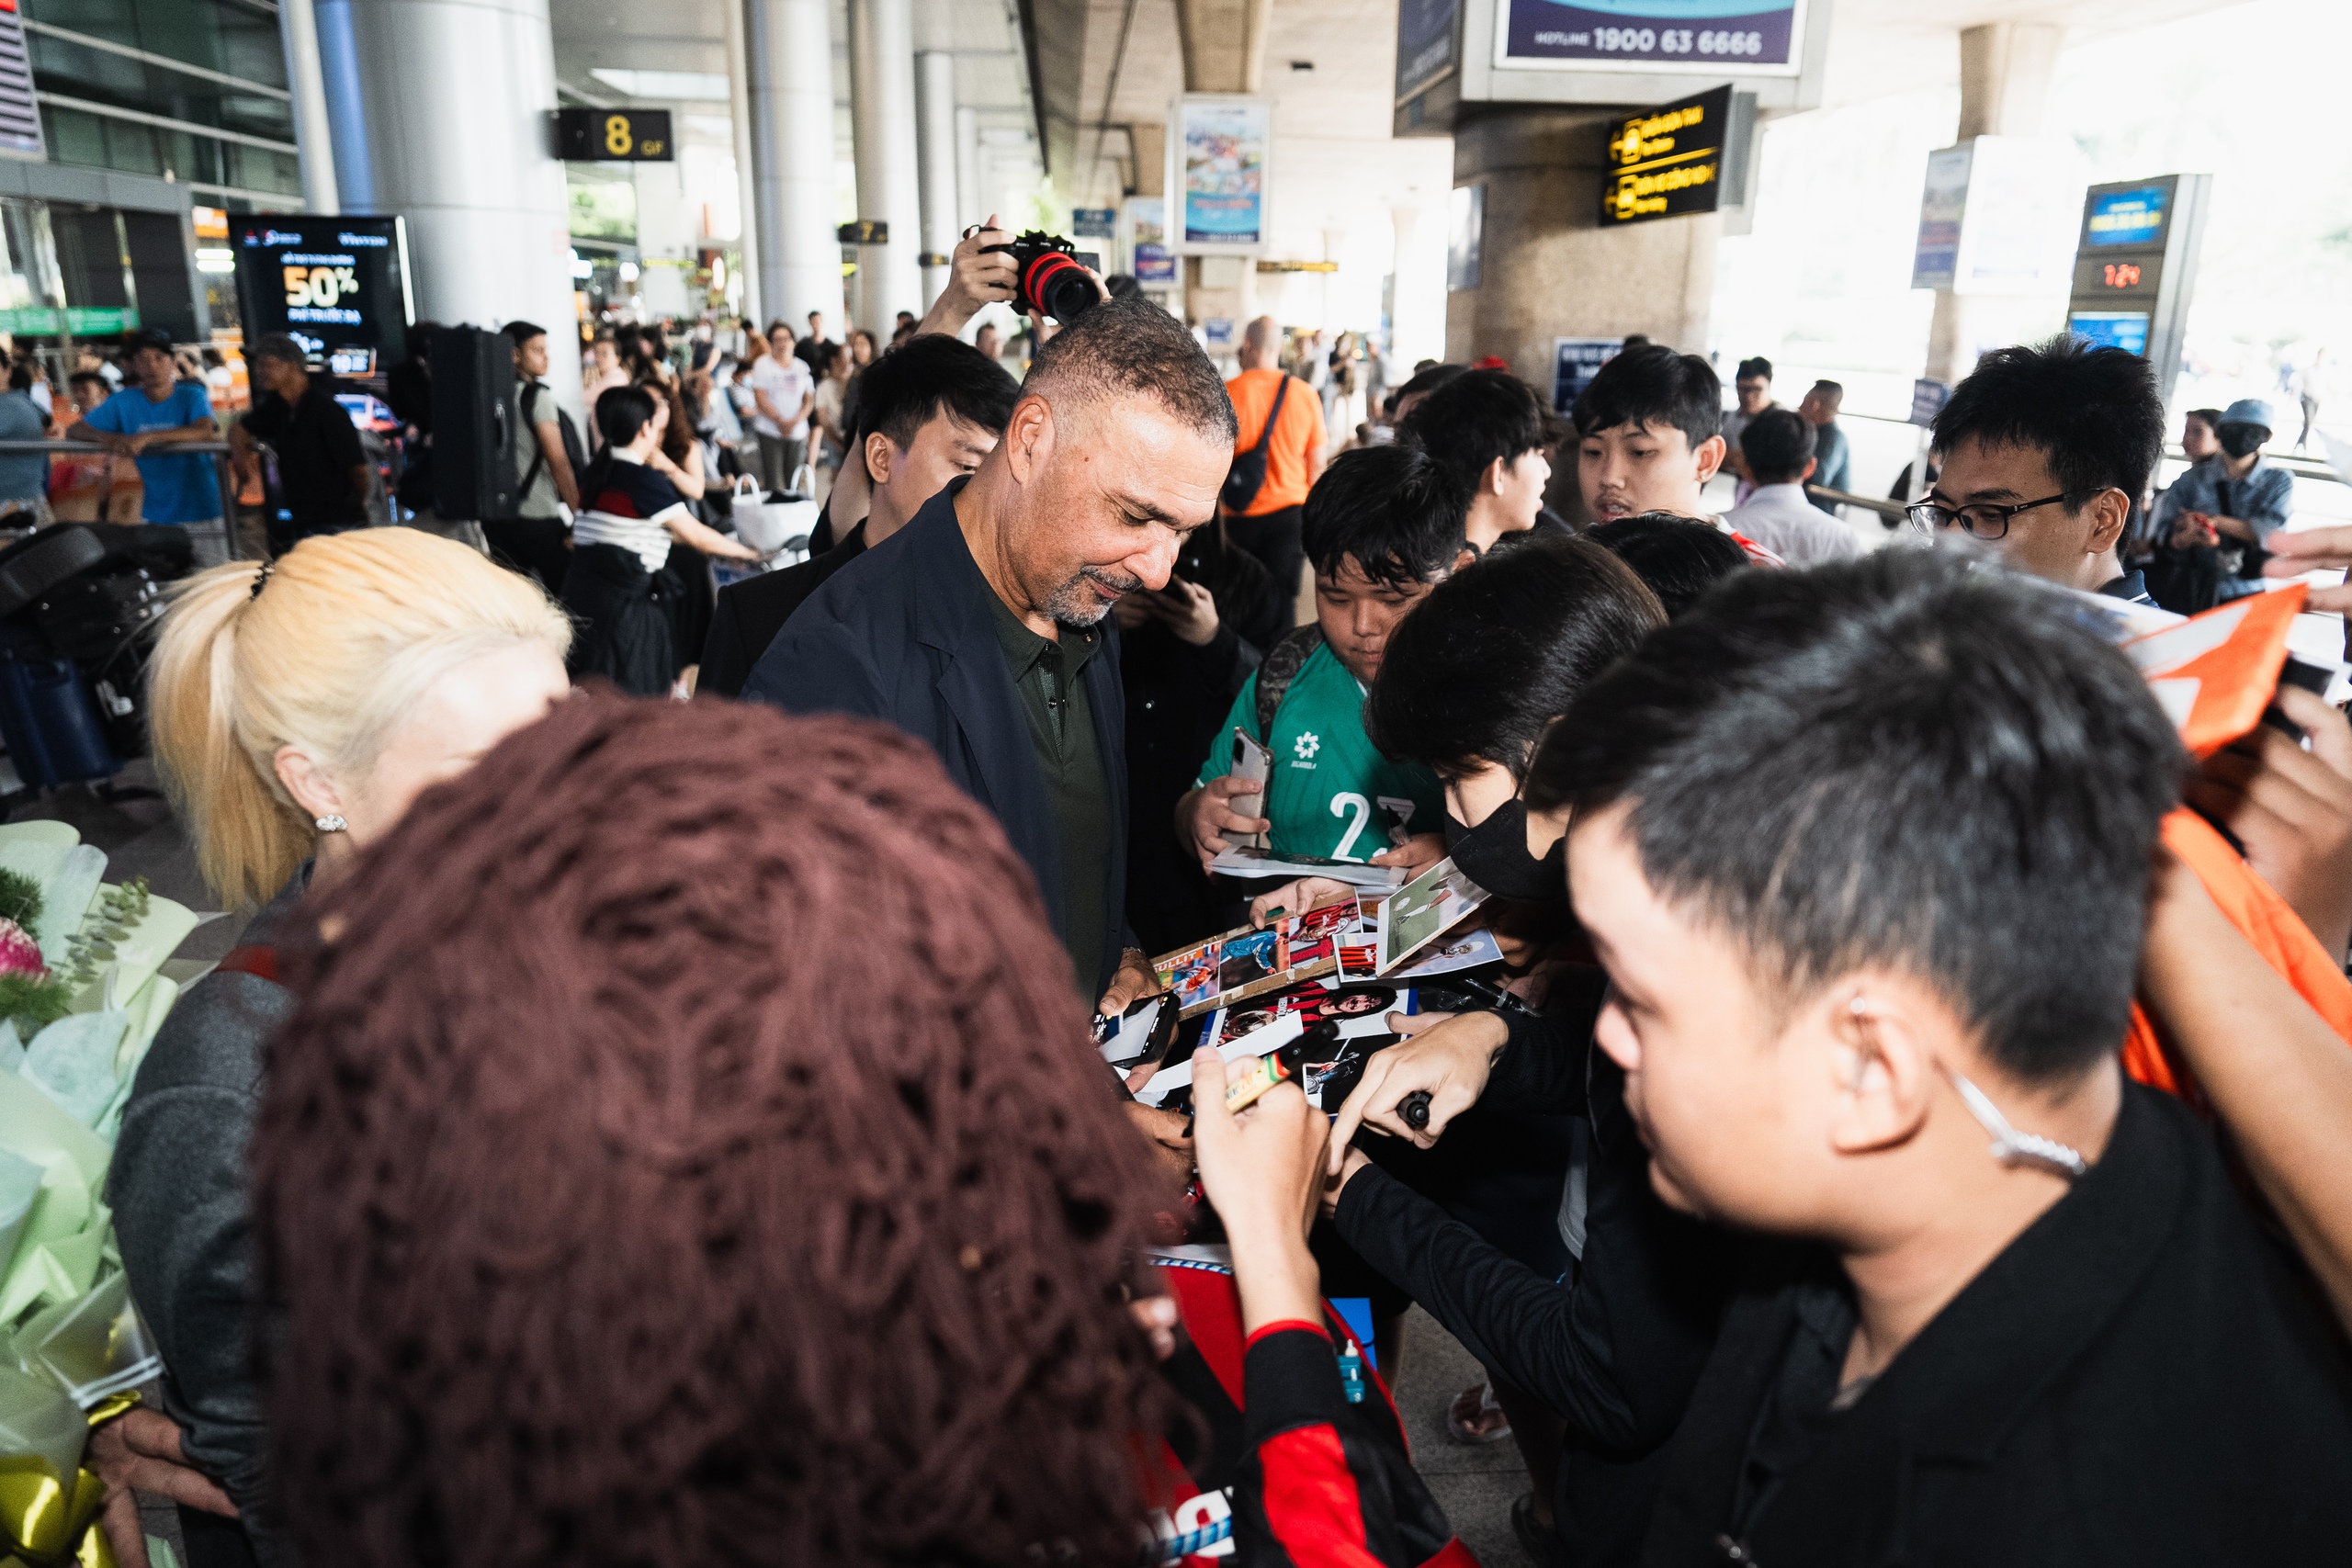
x=980 y=626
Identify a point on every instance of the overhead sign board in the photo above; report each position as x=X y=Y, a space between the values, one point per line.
x=1453 y=54
x=614 y=136
x=1667 y=162
x=1756 y=38
x=336 y=286
x=1094 y=223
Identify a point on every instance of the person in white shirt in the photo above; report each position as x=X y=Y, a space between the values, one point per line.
x=1777 y=444
x=781 y=395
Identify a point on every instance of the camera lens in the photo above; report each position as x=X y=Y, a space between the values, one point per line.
x=1059 y=286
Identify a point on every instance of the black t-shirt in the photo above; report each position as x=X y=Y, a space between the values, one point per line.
x=317 y=447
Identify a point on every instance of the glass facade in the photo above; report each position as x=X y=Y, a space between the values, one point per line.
x=137 y=85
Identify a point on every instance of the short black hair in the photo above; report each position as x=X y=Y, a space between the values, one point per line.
x=1650 y=384
x=1474 y=420
x=155 y=338
x=2093 y=413
x=1498 y=651
x=84 y=377
x=520 y=333
x=1430 y=380
x=909 y=385
x=2210 y=418
x=1391 y=509
x=1834 y=388
x=1133 y=346
x=621 y=413
x=1680 y=558
x=1749 y=369
x=279 y=346
x=1777 y=443
x=1897 y=760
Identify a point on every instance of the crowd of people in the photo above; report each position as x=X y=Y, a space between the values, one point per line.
x=1902 y=1122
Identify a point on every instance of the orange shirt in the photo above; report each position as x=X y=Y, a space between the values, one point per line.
x=1300 y=432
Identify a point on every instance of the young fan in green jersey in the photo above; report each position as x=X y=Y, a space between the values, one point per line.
x=1383 y=527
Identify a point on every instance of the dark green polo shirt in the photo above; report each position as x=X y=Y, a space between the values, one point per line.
x=1061 y=723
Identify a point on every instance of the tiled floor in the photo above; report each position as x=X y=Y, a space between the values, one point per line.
x=1476 y=1486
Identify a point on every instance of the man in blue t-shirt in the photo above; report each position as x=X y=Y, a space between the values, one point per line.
x=158 y=411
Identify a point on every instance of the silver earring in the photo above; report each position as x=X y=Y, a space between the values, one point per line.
x=330 y=823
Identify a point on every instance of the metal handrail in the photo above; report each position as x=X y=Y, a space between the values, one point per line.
x=1848 y=497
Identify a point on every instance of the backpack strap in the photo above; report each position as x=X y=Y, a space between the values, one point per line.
x=538 y=451
x=1283 y=661
x=1266 y=432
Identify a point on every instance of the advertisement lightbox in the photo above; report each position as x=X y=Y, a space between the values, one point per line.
x=337 y=285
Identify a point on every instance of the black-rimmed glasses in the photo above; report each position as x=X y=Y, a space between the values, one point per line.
x=1982 y=521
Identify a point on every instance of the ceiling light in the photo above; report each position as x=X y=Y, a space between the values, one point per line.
x=678 y=87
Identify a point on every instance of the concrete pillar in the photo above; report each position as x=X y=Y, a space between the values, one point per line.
x=1547 y=268
x=882 y=117
x=441 y=109
x=1417 y=318
x=1223 y=43
x=936 y=165
x=1150 y=142
x=739 y=113
x=1221 y=286
x=791 y=70
x=297 y=30
x=969 y=200
x=2005 y=74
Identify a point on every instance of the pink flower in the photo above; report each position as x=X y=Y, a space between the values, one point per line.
x=19 y=955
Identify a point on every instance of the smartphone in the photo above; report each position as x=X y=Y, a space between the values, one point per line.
x=1189 y=567
x=1253 y=763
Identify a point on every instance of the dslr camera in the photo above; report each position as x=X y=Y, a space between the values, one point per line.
x=1053 y=276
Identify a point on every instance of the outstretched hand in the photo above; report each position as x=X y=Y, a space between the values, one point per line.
x=1444 y=1055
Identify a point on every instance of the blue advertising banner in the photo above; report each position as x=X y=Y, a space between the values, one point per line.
x=1424 y=43
x=1722 y=36
x=2127 y=217
x=1221 y=145
x=2126 y=330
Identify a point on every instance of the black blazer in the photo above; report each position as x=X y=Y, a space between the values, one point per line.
x=2141 y=1378
x=903 y=634
x=749 y=613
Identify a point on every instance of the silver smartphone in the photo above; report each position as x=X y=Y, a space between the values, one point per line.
x=1253 y=763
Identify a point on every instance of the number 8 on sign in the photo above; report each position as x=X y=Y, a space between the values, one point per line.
x=618 y=140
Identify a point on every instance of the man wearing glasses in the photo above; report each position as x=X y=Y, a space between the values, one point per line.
x=2045 y=449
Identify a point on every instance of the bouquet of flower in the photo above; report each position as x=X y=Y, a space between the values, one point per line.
x=83 y=991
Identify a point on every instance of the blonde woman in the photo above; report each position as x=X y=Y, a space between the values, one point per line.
x=298 y=708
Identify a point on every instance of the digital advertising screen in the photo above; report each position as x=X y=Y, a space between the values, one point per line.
x=2126 y=218
x=1220 y=149
x=336 y=286
x=2126 y=330
x=1723 y=37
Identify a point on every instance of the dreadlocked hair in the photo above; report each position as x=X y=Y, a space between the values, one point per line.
x=693 y=1154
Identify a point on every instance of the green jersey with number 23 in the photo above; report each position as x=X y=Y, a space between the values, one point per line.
x=1330 y=793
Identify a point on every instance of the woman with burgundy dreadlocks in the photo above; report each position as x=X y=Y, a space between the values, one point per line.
x=702 y=1161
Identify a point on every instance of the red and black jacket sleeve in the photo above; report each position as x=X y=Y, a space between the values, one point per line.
x=1324 y=1483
